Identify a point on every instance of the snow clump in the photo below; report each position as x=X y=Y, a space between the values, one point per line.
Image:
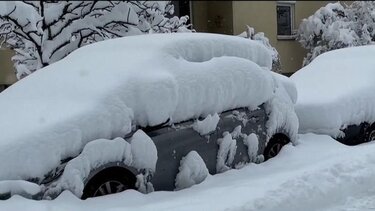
x=192 y=171
x=207 y=125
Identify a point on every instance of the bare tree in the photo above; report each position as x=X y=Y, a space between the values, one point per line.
x=43 y=32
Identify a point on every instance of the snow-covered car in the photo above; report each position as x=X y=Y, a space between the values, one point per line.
x=336 y=95
x=148 y=112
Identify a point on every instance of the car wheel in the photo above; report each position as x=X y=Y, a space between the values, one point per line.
x=274 y=146
x=370 y=135
x=108 y=182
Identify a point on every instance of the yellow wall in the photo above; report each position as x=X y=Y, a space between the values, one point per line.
x=262 y=16
x=213 y=16
x=258 y=14
x=7 y=73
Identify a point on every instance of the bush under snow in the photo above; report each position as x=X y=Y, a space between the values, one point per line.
x=337 y=26
x=43 y=32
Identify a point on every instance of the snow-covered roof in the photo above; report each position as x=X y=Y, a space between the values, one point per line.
x=100 y=90
x=336 y=89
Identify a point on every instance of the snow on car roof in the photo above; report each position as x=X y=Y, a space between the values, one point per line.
x=100 y=90
x=336 y=89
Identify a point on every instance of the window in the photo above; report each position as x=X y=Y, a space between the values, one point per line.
x=285 y=20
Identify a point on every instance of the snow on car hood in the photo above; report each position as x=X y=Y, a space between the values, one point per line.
x=335 y=90
x=100 y=90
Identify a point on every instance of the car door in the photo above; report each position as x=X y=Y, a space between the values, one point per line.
x=173 y=143
x=240 y=123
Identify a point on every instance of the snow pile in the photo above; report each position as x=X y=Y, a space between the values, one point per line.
x=207 y=125
x=282 y=117
x=192 y=171
x=336 y=90
x=140 y=154
x=144 y=151
x=20 y=187
x=226 y=153
x=252 y=143
x=93 y=93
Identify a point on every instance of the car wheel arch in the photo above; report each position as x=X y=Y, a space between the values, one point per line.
x=279 y=138
x=108 y=169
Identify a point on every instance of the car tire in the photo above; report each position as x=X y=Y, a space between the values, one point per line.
x=274 y=146
x=370 y=133
x=108 y=182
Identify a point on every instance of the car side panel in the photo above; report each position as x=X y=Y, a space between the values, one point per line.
x=250 y=122
x=172 y=145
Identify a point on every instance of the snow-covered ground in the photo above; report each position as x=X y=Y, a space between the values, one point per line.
x=317 y=174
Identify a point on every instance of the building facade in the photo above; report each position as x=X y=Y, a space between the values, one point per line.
x=279 y=21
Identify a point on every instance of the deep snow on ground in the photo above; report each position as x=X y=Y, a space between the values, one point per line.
x=317 y=174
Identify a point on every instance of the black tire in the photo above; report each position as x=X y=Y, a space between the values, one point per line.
x=109 y=181
x=274 y=146
x=370 y=133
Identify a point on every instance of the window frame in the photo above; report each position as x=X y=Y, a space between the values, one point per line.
x=293 y=33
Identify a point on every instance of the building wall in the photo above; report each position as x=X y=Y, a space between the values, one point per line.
x=262 y=16
x=7 y=73
x=213 y=16
x=258 y=14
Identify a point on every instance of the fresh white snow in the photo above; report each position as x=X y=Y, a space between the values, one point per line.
x=101 y=90
x=317 y=174
x=207 y=125
x=252 y=143
x=19 y=187
x=226 y=153
x=192 y=171
x=140 y=153
x=336 y=89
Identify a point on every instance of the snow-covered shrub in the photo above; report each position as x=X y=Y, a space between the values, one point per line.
x=43 y=32
x=250 y=34
x=337 y=26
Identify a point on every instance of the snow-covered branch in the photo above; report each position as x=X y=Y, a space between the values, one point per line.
x=43 y=32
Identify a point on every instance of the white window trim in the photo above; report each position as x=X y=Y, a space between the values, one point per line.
x=290 y=4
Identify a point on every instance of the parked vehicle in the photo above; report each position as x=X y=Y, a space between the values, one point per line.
x=336 y=95
x=148 y=112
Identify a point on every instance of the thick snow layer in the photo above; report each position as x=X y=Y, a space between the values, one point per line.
x=100 y=90
x=207 y=125
x=336 y=89
x=19 y=187
x=282 y=117
x=140 y=153
x=95 y=154
x=144 y=151
x=192 y=171
x=226 y=153
x=317 y=173
x=252 y=143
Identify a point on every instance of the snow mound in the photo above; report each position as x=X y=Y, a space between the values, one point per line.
x=280 y=108
x=336 y=89
x=101 y=90
x=20 y=187
x=140 y=153
x=144 y=151
x=207 y=125
x=192 y=171
x=252 y=143
x=226 y=153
